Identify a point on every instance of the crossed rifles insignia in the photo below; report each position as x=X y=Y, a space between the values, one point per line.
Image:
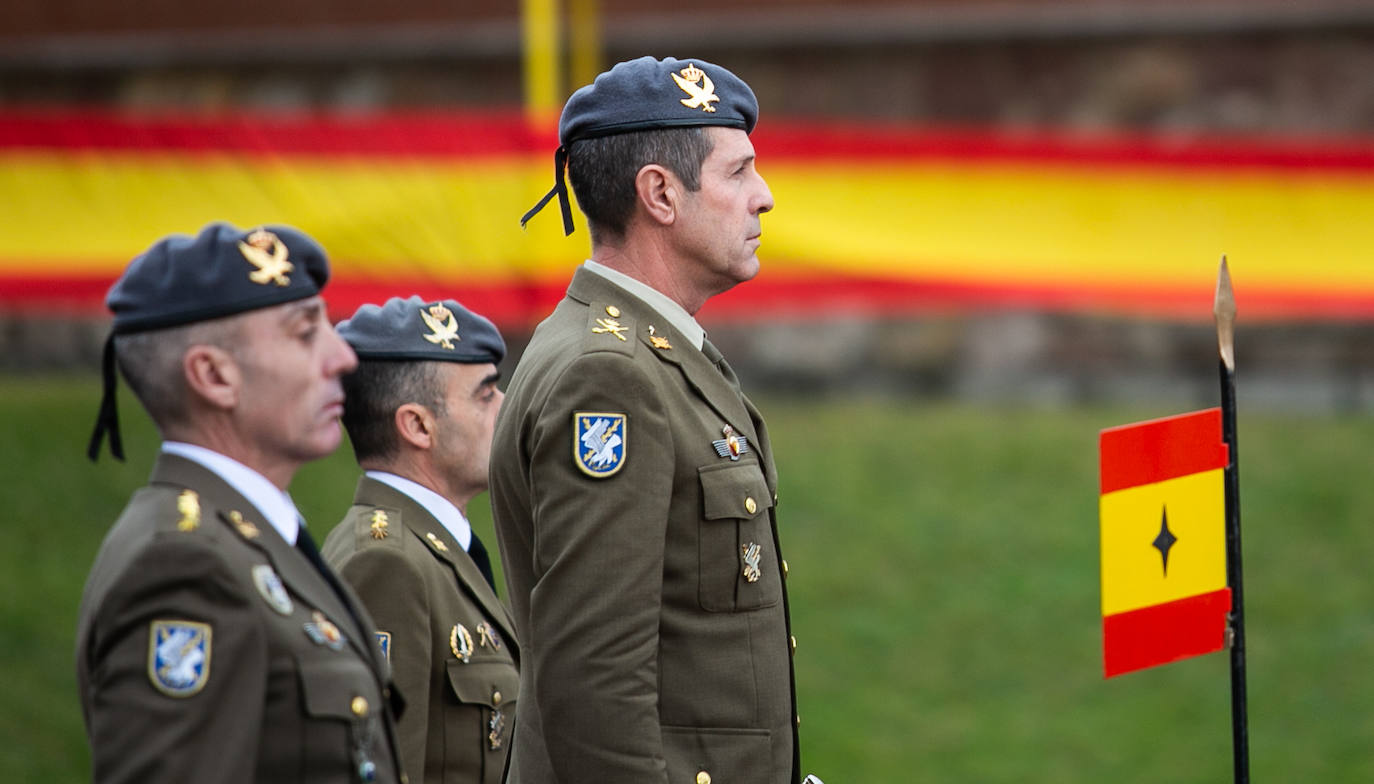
x=443 y=325
x=267 y=252
x=701 y=95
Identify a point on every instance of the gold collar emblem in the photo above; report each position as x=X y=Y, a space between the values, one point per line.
x=245 y=528
x=188 y=505
x=611 y=326
x=266 y=252
x=379 y=524
x=445 y=327
x=437 y=542
x=658 y=341
x=701 y=94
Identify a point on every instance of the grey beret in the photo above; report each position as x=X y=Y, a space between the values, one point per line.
x=646 y=94
x=642 y=94
x=221 y=271
x=413 y=329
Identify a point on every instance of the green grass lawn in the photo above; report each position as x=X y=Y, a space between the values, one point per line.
x=944 y=585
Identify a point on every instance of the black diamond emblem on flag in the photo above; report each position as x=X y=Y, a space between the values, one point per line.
x=1165 y=540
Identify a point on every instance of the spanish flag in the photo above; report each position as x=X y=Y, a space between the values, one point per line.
x=1163 y=525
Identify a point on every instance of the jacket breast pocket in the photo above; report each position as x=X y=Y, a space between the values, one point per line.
x=343 y=710
x=481 y=720
x=737 y=565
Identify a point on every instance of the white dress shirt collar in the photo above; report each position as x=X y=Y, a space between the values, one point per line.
x=275 y=504
x=674 y=313
x=443 y=510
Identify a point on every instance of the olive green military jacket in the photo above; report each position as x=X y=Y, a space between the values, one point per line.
x=643 y=563
x=210 y=650
x=451 y=642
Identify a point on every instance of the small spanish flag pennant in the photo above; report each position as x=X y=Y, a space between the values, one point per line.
x=1163 y=526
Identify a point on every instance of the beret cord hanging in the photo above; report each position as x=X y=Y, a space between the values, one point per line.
x=108 y=418
x=560 y=188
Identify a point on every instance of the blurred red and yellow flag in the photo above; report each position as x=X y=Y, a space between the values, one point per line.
x=1163 y=526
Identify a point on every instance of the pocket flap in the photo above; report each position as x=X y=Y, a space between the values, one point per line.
x=494 y=684
x=734 y=491
x=321 y=692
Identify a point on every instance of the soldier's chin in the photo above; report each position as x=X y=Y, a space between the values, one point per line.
x=325 y=441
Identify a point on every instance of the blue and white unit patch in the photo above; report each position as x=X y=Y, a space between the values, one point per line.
x=599 y=442
x=384 y=642
x=178 y=657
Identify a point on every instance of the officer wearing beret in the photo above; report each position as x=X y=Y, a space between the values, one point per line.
x=419 y=411
x=213 y=644
x=633 y=484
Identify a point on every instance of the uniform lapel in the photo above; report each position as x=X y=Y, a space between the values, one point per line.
x=702 y=375
x=296 y=572
x=422 y=525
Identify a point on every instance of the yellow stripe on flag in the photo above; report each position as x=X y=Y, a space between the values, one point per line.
x=1133 y=567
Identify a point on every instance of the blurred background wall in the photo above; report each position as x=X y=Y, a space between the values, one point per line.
x=992 y=200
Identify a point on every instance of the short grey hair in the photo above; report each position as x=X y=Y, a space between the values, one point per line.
x=151 y=364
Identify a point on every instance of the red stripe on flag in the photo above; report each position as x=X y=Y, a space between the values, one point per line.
x=1147 y=452
x=1164 y=632
x=459 y=133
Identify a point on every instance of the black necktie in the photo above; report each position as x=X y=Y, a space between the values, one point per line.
x=716 y=358
x=306 y=544
x=478 y=554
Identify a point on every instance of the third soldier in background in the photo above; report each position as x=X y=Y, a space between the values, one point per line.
x=420 y=411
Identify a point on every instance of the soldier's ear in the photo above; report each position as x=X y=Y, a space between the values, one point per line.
x=415 y=425
x=212 y=374
x=658 y=192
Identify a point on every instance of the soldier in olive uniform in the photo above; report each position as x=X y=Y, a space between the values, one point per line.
x=633 y=485
x=420 y=411
x=213 y=644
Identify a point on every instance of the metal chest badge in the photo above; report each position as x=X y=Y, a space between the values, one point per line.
x=749 y=553
x=322 y=631
x=733 y=445
x=271 y=588
x=178 y=657
x=599 y=442
x=460 y=642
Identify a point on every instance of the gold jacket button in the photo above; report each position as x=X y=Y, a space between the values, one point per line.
x=793 y=640
x=359 y=707
x=750 y=505
x=703 y=777
x=784 y=567
x=798 y=720
x=612 y=311
x=496 y=698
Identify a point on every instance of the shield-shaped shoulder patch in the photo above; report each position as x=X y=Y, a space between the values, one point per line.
x=178 y=657
x=599 y=442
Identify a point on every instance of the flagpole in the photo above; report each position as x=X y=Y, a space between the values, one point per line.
x=1224 y=308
